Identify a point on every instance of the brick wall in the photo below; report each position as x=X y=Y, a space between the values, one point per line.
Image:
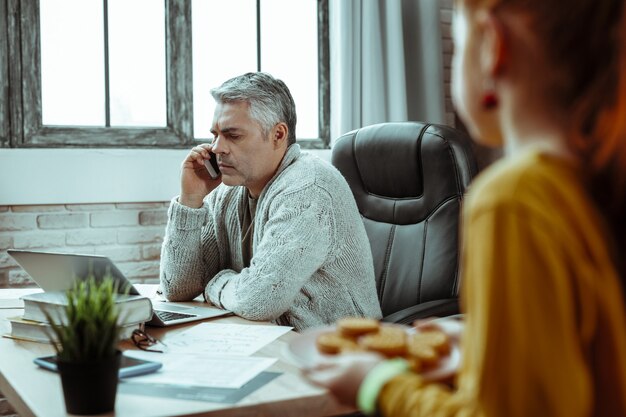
x=130 y=234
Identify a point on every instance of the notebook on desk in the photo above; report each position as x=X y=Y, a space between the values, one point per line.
x=54 y=271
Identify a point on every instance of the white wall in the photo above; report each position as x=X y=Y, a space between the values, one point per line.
x=80 y=176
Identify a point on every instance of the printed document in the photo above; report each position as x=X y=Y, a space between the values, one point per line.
x=225 y=338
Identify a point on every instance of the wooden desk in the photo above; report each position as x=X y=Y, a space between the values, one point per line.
x=36 y=392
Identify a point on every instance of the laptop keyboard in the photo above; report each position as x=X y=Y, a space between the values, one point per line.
x=170 y=315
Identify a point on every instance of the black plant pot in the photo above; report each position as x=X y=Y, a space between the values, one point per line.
x=90 y=387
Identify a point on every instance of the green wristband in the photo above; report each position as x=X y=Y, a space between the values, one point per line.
x=370 y=388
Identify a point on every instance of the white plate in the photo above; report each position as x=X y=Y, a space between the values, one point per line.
x=302 y=350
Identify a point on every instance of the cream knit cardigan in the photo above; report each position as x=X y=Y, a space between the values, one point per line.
x=311 y=263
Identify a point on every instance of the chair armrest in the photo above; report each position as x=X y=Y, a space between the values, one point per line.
x=429 y=309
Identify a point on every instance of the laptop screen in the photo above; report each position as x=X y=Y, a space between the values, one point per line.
x=54 y=271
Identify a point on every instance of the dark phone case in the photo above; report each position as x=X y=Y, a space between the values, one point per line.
x=212 y=167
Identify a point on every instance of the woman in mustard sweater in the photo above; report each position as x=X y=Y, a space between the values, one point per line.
x=544 y=229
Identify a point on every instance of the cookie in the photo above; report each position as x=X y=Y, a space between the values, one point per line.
x=332 y=343
x=425 y=354
x=428 y=347
x=357 y=326
x=388 y=341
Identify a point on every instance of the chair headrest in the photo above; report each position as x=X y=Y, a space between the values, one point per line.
x=400 y=172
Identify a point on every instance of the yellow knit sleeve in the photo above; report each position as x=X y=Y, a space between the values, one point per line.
x=521 y=349
x=407 y=395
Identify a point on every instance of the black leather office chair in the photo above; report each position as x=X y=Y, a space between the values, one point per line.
x=408 y=180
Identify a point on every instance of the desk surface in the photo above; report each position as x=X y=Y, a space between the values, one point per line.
x=36 y=392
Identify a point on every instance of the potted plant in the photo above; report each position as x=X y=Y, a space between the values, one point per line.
x=88 y=359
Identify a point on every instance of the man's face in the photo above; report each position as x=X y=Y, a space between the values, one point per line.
x=245 y=156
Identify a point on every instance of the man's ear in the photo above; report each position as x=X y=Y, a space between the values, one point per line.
x=494 y=46
x=280 y=134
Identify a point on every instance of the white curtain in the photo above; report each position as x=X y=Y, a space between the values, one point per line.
x=385 y=63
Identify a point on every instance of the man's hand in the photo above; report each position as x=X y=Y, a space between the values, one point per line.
x=195 y=182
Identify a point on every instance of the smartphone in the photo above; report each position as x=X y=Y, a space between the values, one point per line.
x=129 y=366
x=212 y=166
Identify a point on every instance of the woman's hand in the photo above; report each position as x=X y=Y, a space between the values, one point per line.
x=343 y=374
x=453 y=327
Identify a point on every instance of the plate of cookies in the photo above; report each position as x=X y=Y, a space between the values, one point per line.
x=430 y=352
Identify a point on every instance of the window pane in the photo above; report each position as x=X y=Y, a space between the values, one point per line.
x=224 y=45
x=289 y=52
x=137 y=63
x=72 y=62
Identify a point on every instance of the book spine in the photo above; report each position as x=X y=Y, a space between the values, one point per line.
x=37 y=312
x=44 y=334
x=130 y=312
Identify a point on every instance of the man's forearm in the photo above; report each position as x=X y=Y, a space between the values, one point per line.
x=184 y=269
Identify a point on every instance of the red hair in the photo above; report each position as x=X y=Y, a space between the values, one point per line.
x=585 y=43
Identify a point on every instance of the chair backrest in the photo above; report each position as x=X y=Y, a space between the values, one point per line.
x=408 y=180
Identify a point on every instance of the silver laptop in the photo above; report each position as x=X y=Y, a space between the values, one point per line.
x=54 y=271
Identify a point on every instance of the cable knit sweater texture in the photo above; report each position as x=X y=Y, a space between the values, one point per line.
x=311 y=263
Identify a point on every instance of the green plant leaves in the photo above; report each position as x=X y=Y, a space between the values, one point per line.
x=92 y=331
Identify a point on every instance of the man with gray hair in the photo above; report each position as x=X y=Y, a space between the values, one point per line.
x=277 y=236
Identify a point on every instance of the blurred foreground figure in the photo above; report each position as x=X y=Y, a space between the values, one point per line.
x=544 y=229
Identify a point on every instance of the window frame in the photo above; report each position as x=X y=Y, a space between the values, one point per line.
x=4 y=77
x=20 y=108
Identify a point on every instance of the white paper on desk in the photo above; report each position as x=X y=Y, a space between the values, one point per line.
x=10 y=297
x=15 y=293
x=11 y=303
x=202 y=370
x=147 y=290
x=224 y=339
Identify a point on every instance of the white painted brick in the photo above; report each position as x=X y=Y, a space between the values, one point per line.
x=120 y=253
x=30 y=240
x=6 y=261
x=138 y=206
x=141 y=235
x=114 y=218
x=81 y=250
x=13 y=222
x=153 y=217
x=135 y=270
x=147 y=281
x=62 y=221
x=38 y=209
x=446 y=31
x=90 y=237
x=19 y=278
x=446 y=15
x=89 y=207
x=6 y=242
x=151 y=252
x=450 y=119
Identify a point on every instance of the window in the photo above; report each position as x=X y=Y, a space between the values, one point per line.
x=149 y=87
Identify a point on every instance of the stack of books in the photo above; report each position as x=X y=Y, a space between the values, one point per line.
x=134 y=310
